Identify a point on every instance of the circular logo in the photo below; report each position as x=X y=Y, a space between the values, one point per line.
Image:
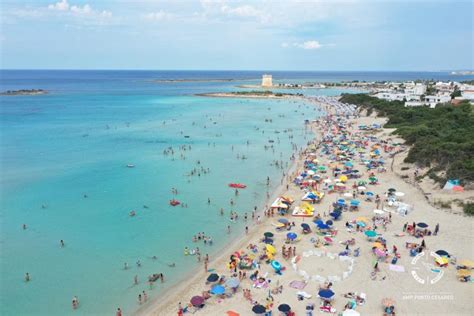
x=423 y=269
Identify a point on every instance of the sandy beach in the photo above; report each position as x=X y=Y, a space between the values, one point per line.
x=422 y=294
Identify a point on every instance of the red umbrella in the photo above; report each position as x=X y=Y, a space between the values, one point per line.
x=197 y=300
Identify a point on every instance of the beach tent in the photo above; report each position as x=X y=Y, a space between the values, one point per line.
x=453 y=185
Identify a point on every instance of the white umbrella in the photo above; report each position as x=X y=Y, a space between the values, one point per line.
x=310 y=172
x=361 y=188
x=347 y=195
x=378 y=211
x=399 y=194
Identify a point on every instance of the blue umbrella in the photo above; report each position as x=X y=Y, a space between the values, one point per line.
x=341 y=202
x=319 y=221
x=355 y=202
x=212 y=277
x=326 y=293
x=218 y=289
x=370 y=233
x=369 y=193
x=283 y=221
x=259 y=309
x=291 y=236
x=329 y=222
x=422 y=225
x=305 y=226
x=323 y=226
x=335 y=215
x=361 y=224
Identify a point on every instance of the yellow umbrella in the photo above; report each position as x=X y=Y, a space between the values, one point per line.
x=466 y=263
x=463 y=272
x=343 y=178
x=271 y=249
x=362 y=219
x=377 y=245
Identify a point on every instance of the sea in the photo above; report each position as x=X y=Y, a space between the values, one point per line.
x=76 y=161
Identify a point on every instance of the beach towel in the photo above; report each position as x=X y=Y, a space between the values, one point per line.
x=397 y=268
x=299 y=285
x=304 y=294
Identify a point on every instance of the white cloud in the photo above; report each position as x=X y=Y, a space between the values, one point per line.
x=63 y=5
x=85 y=10
x=158 y=16
x=309 y=45
x=245 y=11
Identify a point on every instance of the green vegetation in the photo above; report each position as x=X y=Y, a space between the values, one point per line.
x=468 y=208
x=471 y=82
x=441 y=138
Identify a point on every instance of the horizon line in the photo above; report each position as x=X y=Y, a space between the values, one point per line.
x=222 y=70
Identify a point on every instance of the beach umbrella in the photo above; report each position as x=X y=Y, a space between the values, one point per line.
x=377 y=245
x=399 y=194
x=268 y=240
x=213 y=277
x=322 y=226
x=361 y=224
x=422 y=225
x=466 y=263
x=305 y=226
x=326 y=294
x=270 y=249
x=322 y=168
x=232 y=313
x=283 y=221
x=350 y=312
x=330 y=222
x=259 y=309
x=218 y=290
x=340 y=184
x=355 y=202
x=268 y=234
x=370 y=233
x=232 y=282
x=369 y=193
x=361 y=188
x=361 y=182
x=442 y=253
x=347 y=195
x=318 y=221
x=291 y=236
x=387 y=302
x=378 y=212
x=463 y=272
x=392 y=190
x=197 y=300
x=373 y=179
x=310 y=172
x=284 y=308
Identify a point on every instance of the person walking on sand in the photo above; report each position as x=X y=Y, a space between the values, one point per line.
x=436 y=229
x=405 y=227
x=140 y=301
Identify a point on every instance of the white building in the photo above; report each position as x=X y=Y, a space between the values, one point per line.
x=267 y=81
x=432 y=100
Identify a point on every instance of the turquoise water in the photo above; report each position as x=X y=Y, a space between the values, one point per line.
x=77 y=141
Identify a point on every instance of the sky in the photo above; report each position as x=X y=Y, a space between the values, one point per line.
x=312 y=35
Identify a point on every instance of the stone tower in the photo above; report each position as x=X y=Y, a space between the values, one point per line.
x=267 y=81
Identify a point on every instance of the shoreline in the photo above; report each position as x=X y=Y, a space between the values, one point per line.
x=183 y=291
x=248 y=96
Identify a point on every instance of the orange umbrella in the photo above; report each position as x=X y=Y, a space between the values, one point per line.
x=231 y=313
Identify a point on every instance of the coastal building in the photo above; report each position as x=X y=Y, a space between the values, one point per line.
x=432 y=100
x=267 y=81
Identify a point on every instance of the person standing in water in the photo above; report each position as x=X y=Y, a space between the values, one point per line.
x=27 y=277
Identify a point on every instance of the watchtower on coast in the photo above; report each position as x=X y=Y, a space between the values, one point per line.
x=267 y=81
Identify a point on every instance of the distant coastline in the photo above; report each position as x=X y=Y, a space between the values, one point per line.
x=250 y=94
x=200 y=80
x=24 y=92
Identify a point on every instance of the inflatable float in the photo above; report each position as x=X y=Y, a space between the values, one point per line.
x=174 y=202
x=237 y=185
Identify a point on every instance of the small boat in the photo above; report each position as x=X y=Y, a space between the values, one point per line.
x=174 y=202
x=132 y=213
x=186 y=136
x=130 y=166
x=237 y=185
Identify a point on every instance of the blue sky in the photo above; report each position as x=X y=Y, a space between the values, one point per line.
x=230 y=34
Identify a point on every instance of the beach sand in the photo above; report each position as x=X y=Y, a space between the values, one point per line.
x=448 y=296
